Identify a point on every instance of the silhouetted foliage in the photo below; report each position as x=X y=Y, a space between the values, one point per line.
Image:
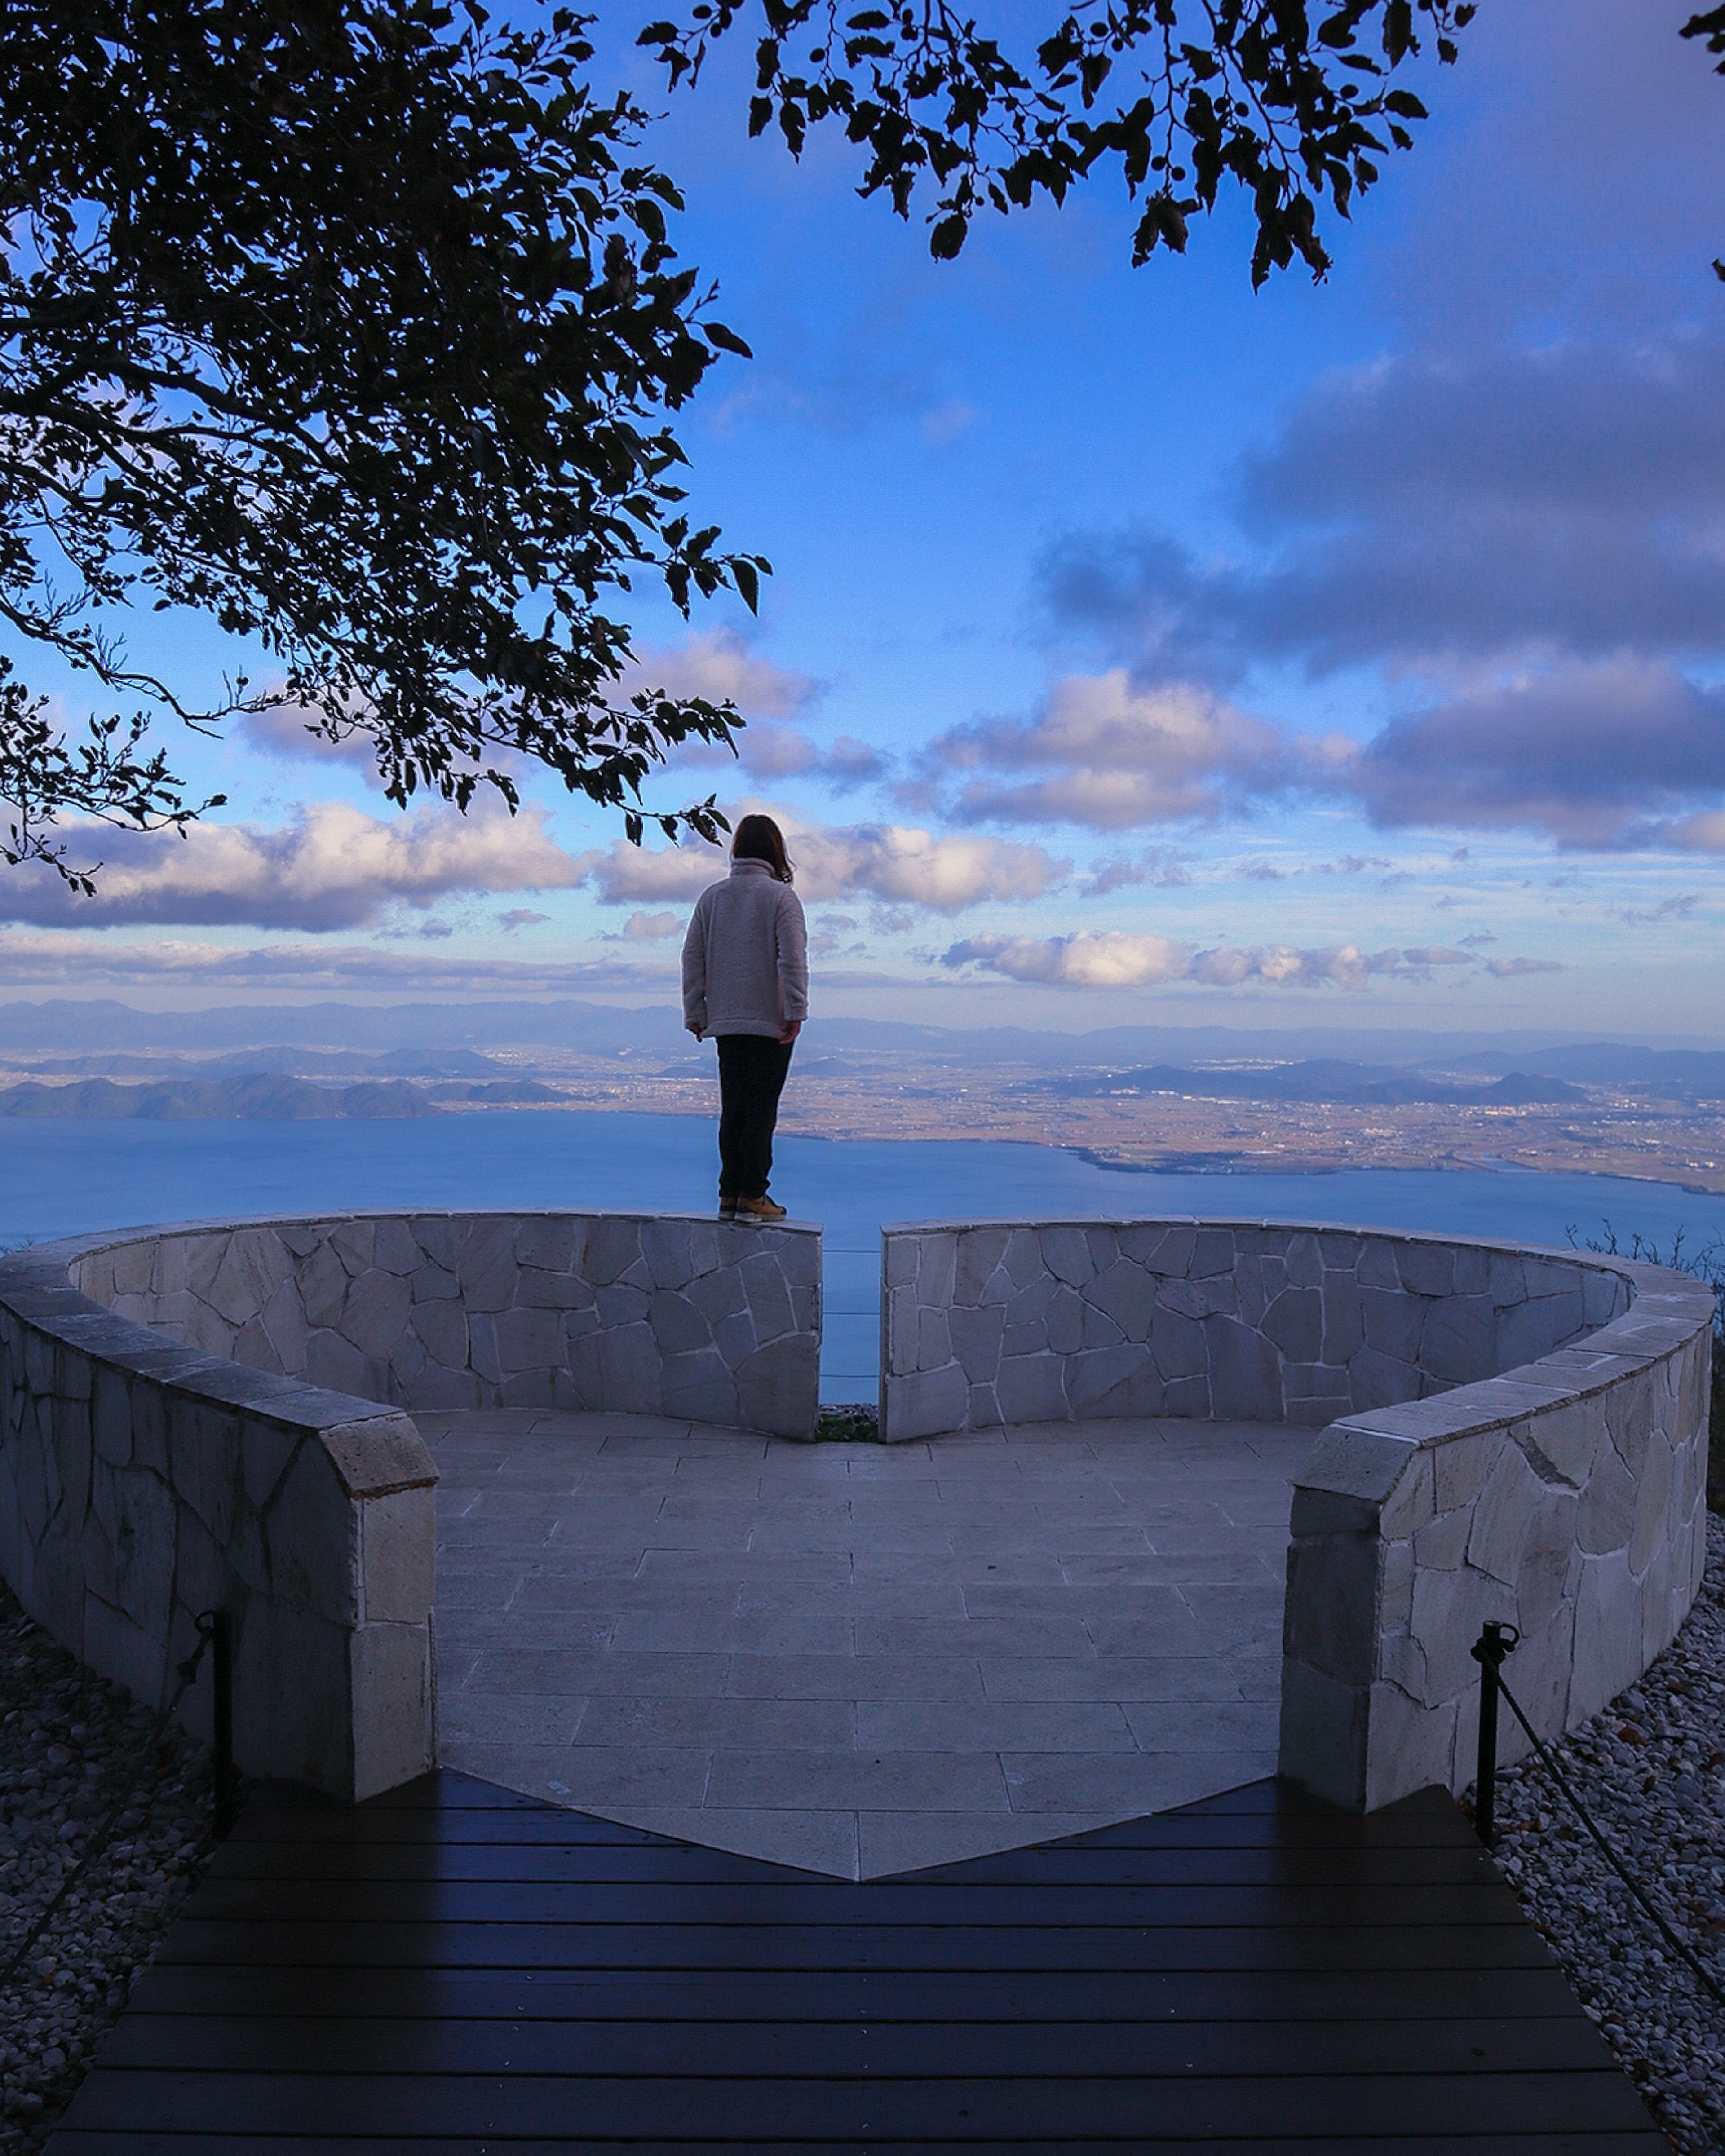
x=353 y=324
x=1295 y=108
x=1710 y=25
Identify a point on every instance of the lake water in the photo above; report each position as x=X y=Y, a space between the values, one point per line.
x=67 y=1178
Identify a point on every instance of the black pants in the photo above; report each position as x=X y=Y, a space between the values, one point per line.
x=752 y=1075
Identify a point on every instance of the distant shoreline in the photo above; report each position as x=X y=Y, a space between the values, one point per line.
x=1218 y=1169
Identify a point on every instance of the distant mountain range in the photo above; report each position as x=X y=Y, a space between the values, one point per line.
x=68 y=1026
x=107 y=1026
x=1318 y=1079
x=107 y=1038
x=1675 y=1073
x=265 y=1097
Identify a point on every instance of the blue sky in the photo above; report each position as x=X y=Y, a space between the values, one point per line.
x=1140 y=648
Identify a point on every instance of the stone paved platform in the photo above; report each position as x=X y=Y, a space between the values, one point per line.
x=856 y=1658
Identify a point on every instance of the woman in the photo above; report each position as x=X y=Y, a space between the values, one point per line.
x=746 y=982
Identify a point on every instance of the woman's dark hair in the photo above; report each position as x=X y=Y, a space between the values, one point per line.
x=759 y=838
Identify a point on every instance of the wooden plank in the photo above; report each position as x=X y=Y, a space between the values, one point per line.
x=772 y=2109
x=728 y=2050
x=454 y=1968
x=583 y=1863
x=1185 y=1997
x=70 y=2140
x=1333 y=1830
x=288 y=1943
x=773 y=1904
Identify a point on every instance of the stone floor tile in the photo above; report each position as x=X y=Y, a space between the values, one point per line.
x=1147 y=1637
x=975 y=1635
x=1202 y=1544
x=891 y=1464
x=509 y=1539
x=826 y=1654
x=1259 y=1676
x=690 y=1724
x=941 y=1568
x=857 y=1598
x=577 y=1532
x=1063 y=1536
x=858 y=1677
x=998 y=1725
x=858 y=1781
x=558 y=1561
x=1091 y=1569
x=496 y=1718
x=1159 y=1602
x=481 y=1587
x=1109 y=1676
x=747 y=1632
x=1184 y=1725
x=792 y=1568
x=583 y=1599
x=917 y=1534
x=1249 y=1609
x=571 y=1672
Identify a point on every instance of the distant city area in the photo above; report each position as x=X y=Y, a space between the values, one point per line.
x=1132 y=1098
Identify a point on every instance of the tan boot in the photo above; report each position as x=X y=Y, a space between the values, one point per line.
x=758 y=1208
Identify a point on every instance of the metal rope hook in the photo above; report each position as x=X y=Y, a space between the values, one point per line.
x=1496 y=1640
x=215 y=1630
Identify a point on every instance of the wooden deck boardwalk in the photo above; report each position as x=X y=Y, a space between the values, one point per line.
x=454 y=1968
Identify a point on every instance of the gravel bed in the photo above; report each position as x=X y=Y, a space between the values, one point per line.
x=1650 y=1771
x=68 y=1744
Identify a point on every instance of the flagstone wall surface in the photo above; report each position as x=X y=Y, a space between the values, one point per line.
x=1505 y=1433
x=220 y=1415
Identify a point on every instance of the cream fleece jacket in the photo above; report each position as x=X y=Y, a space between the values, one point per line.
x=746 y=956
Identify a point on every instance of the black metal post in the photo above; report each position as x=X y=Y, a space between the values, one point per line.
x=221 y=1676
x=1496 y=1640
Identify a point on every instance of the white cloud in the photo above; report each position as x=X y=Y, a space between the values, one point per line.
x=1435 y=954
x=1592 y=756
x=945 y=422
x=1511 y=969
x=1163 y=867
x=896 y=862
x=281 y=733
x=720 y=666
x=66 y=959
x=766 y=749
x=650 y=927
x=629 y=875
x=331 y=867
x=1700 y=835
x=1106 y=960
x=1114 y=959
x=1109 y=754
x=1281 y=966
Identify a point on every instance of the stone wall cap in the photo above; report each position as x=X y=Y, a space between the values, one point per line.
x=1594 y=1260
x=376 y=1455
x=1347 y=1461
x=80 y=1246
x=375 y=1450
x=1462 y=1412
